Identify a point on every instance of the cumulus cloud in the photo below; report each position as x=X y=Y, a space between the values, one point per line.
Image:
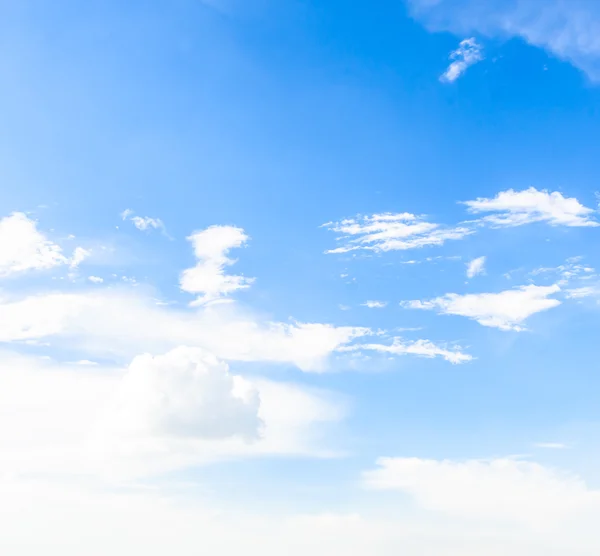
x=476 y=267
x=23 y=247
x=506 y=310
x=469 y=52
x=95 y=279
x=567 y=30
x=420 y=348
x=169 y=412
x=391 y=232
x=503 y=489
x=375 y=304
x=185 y=393
x=515 y=208
x=208 y=277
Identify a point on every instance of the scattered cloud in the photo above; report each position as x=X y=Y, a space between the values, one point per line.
x=469 y=52
x=506 y=310
x=515 y=208
x=567 y=30
x=143 y=223
x=208 y=278
x=96 y=279
x=391 y=232
x=420 y=348
x=476 y=267
x=375 y=304
x=79 y=255
x=503 y=489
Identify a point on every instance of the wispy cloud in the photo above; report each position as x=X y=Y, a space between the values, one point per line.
x=568 y=30
x=469 y=52
x=143 y=223
x=506 y=310
x=391 y=232
x=419 y=348
x=475 y=267
x=375 y=304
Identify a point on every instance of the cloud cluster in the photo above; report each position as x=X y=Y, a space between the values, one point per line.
x=24 y=248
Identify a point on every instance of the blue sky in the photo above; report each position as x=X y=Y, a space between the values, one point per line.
x=249 y=249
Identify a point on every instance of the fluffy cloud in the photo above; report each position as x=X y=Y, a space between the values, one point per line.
x=178 y=410
x=420 y=348
x=515 y=208
x=208 y=277
x=391 y=232
x=506 y=310
x=122 y=323
x=185 y=393
x=469 y=52
x=502 y=489
x=23 y=247
x=475 y=267
x=568 y=30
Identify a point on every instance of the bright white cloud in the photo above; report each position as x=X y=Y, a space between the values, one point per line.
x=506 y=310
x=507 y=490
x=469 y=52
x=208 y=277
x=170 y=412
x=391 y=232
x=375 y=304
x=185 y=393
x=515 y=208
x=23 y=247
x=124 y=323
x=95 y=279
x=568 y=30
x=475 y=267
x=420 y=348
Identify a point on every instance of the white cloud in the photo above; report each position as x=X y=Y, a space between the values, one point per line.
x=469 y=52
x=506 y=310
x=568 y=30
x=208 y=278
x=95 y=279
x=123 y=323
x=504 y=489
x=143 y=223
x=584 y=291
x=390 y=232
x=79 y=255
x=174 y=411
x=551 y=445
x=420 y=348
x=515 y=208
x=23 y=247
x=146 y=222
x=475 y=267
x=185 y=393
x=375 y=304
